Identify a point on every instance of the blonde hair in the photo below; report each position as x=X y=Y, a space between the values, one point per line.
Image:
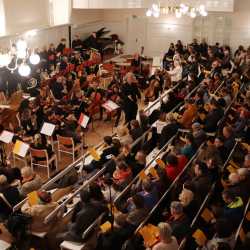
x=27 y=172
x=3 y=179
x=37 y=138
x=186 y=196
x=165 y=230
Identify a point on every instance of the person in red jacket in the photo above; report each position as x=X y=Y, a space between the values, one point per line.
x=175 y=165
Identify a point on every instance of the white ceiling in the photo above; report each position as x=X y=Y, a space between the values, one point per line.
x=212 y=5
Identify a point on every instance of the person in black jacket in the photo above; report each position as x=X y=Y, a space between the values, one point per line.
x=111 y=148
x=9 y=197
x=114 y=239
x=84 y=214
x=213 y=116
x=169 y=130
x=130 y=94
x=136 y=131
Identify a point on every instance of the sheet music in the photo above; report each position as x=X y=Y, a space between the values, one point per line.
x=21 y=148
x=48 y=129
x=83 y=121
x=110 y=105
x=6 y=136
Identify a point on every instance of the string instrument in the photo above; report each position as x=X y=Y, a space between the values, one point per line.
x=94 y=103
x=150 y=91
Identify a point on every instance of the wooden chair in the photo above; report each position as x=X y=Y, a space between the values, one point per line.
x=66 y=145
x=42 y=153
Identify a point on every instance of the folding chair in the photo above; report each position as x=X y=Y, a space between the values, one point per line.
x=66 y=145
x=19 y=158
x=42 y=153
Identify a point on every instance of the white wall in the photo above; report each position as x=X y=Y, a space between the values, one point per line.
x=23 y=15
x=130 y=24
x=85 y=22
x=43 y=37
x=154 y=34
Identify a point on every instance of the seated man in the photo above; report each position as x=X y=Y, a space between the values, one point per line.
x=40 y=211
x=85 y=213
x=30 y=182
x=233 y=209
x=9 y=197
x=178 y=221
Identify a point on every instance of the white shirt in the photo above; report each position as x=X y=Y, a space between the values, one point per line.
x=176 y=74
x=173 y=245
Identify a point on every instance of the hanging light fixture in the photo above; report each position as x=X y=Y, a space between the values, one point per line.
x=180 y=10
x=24 y=70
x=34 y=59
x=19 y=51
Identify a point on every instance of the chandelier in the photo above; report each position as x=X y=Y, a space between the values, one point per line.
x=18 y=57
x=180 y=10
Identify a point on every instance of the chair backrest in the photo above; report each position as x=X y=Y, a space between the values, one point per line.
x=66 y=141
x=39 y=153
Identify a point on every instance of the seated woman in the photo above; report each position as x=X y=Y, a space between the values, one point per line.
x=176 y=72
x=153 y=91
x=30 y=182
x=113 y=94
x=39 y=211
x=111 y=148
x=188 y=202
x=139 y=212
x=28 y=122
x=122 y=175
x=189 y=148
x=9 y=197
x=95 y=99
x=39 y=144
x=175 y=165
x=135 y=131
x=189 y=114
x=149 y=193
x=167 y=241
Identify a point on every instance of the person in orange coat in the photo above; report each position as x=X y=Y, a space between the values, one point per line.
x=189 y=114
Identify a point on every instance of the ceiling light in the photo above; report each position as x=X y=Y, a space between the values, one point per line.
x=24 y=70
x=34 y=59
